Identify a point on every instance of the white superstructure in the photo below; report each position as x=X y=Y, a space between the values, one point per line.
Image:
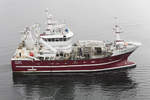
x=59 y=36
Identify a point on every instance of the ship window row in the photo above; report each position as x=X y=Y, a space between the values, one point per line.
x=55 y=39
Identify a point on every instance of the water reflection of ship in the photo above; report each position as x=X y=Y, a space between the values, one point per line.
x=114 y=85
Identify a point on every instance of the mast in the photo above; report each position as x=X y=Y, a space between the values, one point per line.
x=49 y=17
x=117 y=31
x=50 y=22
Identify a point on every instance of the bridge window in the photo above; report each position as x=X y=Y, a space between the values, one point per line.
x=55 y=39
x=61 y=39
x=64 y=39
x=49 y=40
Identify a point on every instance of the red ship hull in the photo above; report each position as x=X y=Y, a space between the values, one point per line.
x=99 y=64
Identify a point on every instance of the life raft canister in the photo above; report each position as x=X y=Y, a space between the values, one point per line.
x=31 y=54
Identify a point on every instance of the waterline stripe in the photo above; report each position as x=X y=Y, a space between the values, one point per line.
x=70 y=65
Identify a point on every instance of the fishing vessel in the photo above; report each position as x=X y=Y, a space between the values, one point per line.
x=53 y=51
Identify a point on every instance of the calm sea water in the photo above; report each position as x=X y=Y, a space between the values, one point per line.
x=88 y=19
